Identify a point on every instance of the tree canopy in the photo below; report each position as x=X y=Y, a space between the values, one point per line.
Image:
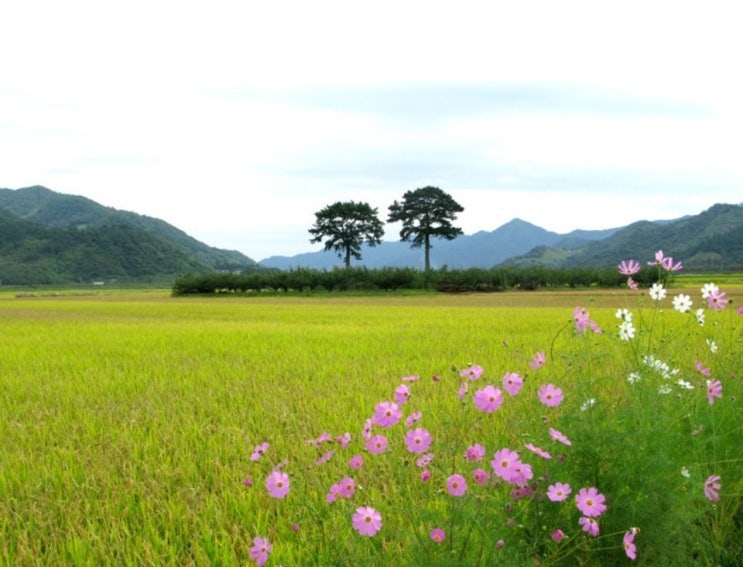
x=426 y=213
x=346 y=225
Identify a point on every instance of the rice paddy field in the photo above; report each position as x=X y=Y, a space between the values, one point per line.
x=132 y=427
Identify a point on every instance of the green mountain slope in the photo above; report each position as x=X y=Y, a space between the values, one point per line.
x=712 y=239
x=56 y=210
x=47 y=237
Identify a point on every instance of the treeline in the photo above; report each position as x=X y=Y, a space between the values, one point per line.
x=389 y=279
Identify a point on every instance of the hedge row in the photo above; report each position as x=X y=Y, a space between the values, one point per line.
x=388 y=279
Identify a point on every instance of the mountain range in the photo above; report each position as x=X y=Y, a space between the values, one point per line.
x=51 y=238
x=711 y=240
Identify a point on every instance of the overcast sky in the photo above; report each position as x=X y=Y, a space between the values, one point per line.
x=237 y=120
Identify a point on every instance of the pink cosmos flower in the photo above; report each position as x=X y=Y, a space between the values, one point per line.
x=629 y=543
x=438 y=535
x=558 y=492
x=425 y=460
x=538 y=361
x=386 y=414
x=456 y=485
x=463 y=389
x=324 y=438
x=425 y=475
x=717 y=300
x=668 y=265
x=701 y=368
x=537 y=451
x=475 y=452
x=356 y=462
x=348 y=487
x=521 y=492
x=413 y=418
x=711 y=486
x=259 y=451
x=580 y=318
x=512 y=383
x=632 y=284
x=488 y=399
x=658 y=259
x=367 y=521
x=402 y=394
x=344 y=439
x=505 y=464
x=629 y=267
x=367 y=431
x=277 y=484
x=334 y=493
x=550 y=395
x=739 y=311
x=472 y=372
x=480 y=476
x=418 y=440
x=590 y=502
x=558 y=535
x=714 y=390
x=248 y=481
x=376 y=444
x=260 y=550
x=558 y=436
x=324 y=458
x=590 y=525
x=522 y=474
x=583 y=321
x=413 y=378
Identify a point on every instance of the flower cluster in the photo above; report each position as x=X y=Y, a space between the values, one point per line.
x=520 y=472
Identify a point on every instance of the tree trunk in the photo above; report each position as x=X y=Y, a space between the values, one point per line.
x=348 y=257
x=428 y=252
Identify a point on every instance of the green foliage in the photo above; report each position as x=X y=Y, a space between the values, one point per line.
x=346 y=226
x=389 y=279
x=426 y=213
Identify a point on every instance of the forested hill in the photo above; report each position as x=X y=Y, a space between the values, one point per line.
x=49 y=237
x=711 y=240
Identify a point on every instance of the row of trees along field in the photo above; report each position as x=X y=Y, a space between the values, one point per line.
x=425 y=213
x=389 y=279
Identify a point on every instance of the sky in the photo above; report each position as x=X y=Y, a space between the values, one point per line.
x=236 y=121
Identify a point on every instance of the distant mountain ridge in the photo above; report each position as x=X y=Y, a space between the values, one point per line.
x=50 y=237
x=712 y=239
x=481 y=249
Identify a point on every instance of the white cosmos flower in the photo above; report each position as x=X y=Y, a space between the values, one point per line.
x=626 y=331
x=682 y=303
x=623 y=314
x=709 y=289
x=657 y=292
x=699 y=314
x=588 y=404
